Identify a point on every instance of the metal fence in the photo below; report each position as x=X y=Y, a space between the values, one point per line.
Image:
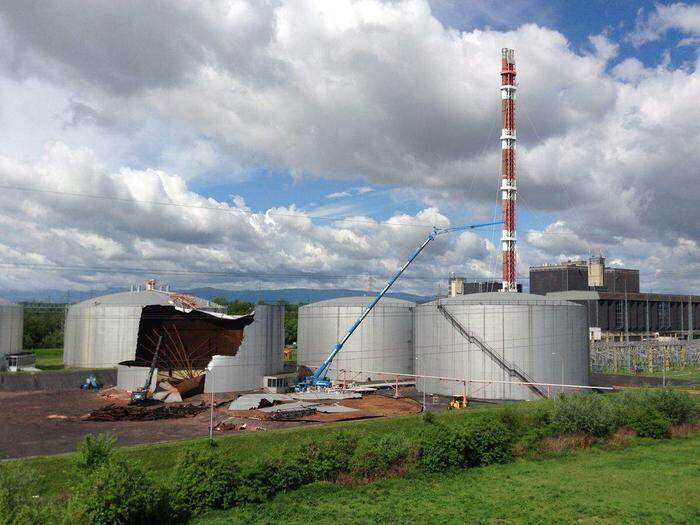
x=644 y=356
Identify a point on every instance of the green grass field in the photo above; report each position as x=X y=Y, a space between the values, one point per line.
x=49 y=358
x=687 y=374
x=647 y=482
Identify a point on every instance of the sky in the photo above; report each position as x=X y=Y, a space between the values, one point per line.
x=272 y=144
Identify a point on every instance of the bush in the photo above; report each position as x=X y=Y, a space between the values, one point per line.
x=376 y=456
x=441 y=449
x=429 y=418
x=116 y=492
x=489 y=442
x=203 y=479
x=512 y=418
x=676 y=406
x=652 y=424
x=324 y=460
x=591 y=414
x=95 y=450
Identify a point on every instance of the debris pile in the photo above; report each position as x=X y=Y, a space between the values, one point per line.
x=144 y=413
x=320 y=406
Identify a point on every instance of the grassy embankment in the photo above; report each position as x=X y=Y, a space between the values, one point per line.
x=645 y=482
x=646 y=475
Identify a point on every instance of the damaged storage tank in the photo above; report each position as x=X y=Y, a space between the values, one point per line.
x=382 y=343
x=11 y=328
x=506 y=337
x=196 y=335
x=104 y=331
x=261 y=354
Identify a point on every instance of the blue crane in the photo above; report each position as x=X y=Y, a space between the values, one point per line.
x=319 y=379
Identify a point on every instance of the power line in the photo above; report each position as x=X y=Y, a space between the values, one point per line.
x=301 y=215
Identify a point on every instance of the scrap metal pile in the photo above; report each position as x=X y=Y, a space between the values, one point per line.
x=116 y=412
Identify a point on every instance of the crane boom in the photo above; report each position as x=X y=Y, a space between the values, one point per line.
x=319 y=377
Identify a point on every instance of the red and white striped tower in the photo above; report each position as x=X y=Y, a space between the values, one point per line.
x=508 y=185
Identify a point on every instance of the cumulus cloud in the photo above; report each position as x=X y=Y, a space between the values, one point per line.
x=151 y=221
x=147 y=95
x=680 y=16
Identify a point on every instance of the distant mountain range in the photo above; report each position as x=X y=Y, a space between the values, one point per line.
x=291 y=295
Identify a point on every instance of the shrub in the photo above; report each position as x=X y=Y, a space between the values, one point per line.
x=95 y=450
x=676 y=406
x=441 y=449
x=651 y=423
x=324 y=459
x=267 y=477
x=591 y=414
x=429 y=418
x=512 y=418
x=283 y=474
x=376 y=456
x=203 y=479
x=115 y=492
x=489 y=442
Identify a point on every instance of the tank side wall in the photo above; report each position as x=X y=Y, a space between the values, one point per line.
x=382 y=343
x=534 y=338
x=11 y=328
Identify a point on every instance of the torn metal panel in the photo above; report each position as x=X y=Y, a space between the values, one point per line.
x=287 y=407
x=190 y=338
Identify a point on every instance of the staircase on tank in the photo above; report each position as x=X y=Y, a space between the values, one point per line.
x=512 y=369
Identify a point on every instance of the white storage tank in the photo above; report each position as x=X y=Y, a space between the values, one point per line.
x=11 y=328
x=506 y=337
x=261 y=354
x=382 y=343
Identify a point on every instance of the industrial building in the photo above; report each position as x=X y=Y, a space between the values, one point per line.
x=11 y=329
x=123 y=330
x=497 y=339
x=383 y=342
x=617 y=310
x=583 y=275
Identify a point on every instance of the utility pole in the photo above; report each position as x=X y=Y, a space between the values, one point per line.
x=627 y=324
x=646 y=324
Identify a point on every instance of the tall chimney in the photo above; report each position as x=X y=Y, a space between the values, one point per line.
x=508 y=185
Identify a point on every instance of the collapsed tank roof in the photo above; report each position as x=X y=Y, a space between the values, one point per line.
x=144 y=298
x=362 y=300
x=503 y=298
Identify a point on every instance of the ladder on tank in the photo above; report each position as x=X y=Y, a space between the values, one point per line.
x=510 y=368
